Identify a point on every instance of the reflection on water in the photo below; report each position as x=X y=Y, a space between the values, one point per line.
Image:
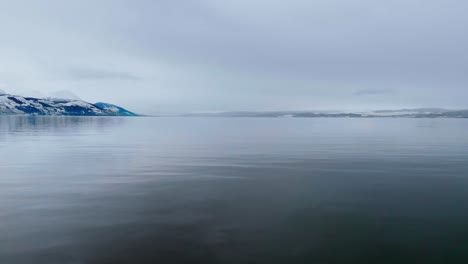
x=59 y=124
x=180 y=190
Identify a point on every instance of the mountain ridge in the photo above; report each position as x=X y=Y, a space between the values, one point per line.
x=20 y=105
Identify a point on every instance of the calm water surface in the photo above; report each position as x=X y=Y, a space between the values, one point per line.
x=237 y=190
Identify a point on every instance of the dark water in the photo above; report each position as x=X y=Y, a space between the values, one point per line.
x=195 y=190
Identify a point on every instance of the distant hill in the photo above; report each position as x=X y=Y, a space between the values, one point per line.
x=415 y=110
x=19 y=105
x=403 y=113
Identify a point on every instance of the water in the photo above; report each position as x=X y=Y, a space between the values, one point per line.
x=237 y=190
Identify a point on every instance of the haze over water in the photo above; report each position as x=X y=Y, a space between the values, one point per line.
x=233 y=190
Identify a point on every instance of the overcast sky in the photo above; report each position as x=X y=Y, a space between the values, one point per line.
x=212 y=55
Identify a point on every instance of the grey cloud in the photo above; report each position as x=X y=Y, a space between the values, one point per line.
x=373 y=91
x=95 y=74
x=200 y=55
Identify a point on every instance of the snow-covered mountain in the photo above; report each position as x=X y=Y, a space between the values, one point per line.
x=19 y=105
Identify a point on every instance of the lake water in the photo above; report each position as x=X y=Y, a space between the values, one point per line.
x=233 y=190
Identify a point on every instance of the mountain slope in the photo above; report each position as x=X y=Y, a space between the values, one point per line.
x=117 y=110
x=19 y=105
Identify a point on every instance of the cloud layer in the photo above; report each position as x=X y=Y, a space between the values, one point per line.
x=205 y=55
